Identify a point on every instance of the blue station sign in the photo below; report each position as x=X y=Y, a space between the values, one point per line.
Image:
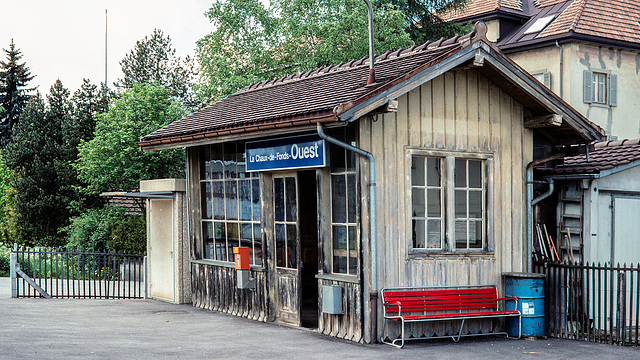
x=286 y=153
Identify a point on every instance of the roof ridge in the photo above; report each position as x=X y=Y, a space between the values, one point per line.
x=613 y=143
x=576 y=19
x=387 y=55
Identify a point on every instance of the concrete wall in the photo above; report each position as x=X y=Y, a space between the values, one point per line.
x=622 y=120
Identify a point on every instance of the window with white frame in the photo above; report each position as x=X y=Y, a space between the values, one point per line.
x=230 y=203
x=441 y=179
x=344 y=205
x=600 y=87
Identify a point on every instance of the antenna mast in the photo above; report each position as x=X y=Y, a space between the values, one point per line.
x=105 y=47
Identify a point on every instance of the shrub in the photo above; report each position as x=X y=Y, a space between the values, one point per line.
x=4 y=261
x=91 y=230
x=128 y=234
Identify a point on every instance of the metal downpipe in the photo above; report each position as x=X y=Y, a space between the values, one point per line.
x=372 y=224
x=372 y=70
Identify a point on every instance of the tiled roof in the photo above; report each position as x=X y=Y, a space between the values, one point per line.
x=612 y=19
x=604 y=19
x=300 y=97
x=606 y=156
x=479 y=7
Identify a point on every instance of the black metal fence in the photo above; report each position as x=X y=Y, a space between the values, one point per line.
x=592 y=302
x=63 y=273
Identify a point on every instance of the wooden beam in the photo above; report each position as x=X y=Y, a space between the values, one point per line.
x=543 y=121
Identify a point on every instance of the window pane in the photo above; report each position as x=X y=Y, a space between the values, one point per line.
x=255 y=197
x=245 y=199
x=207 y=206
x=292 y=241
x=246 y=234
x=353 y=248
x=475 y=204
x=257 y=245
x=351 y=198
x=291 y=209
x=418 y=234
x=233 y=238
x=231 y=199
x=217 y=167
x=220 y=232
x=337 y=158
x=418 y=205
x=230 y=159
x=217 y=194
x=434 y=173
x=461 y=234
x=460 y=178
x=281 y=256
x=241 y=163
x=278 y=198
x=417 y=171
x=434 y=231
x=340 y=264
x=461 y=204
x=205 y=171
x=338 y=199
x=207 y=237
x=475 y=234
x=434 y=203
x=339 y=237
x=475 y=174
x=353 y=265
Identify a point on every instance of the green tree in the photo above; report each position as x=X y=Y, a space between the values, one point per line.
x=153 y=61
x=422 y=19
x=36 y=155
x=253 y=43
x=112 y=160
x=14 y=95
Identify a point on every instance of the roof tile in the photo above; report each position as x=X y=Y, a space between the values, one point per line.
x=605 y=156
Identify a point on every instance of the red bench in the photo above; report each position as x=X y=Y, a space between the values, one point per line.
x=407 y=305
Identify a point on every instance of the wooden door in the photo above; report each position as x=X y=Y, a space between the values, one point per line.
x=287 y=248
x=161 y=261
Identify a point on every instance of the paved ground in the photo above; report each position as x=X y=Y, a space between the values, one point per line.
x=145 y=329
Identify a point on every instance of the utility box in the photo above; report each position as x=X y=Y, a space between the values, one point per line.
x=242 y=257
x=332 y=299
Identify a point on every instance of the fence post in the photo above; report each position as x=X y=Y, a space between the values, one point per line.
x=13 y=266
x=621 y=306
x=146 y=285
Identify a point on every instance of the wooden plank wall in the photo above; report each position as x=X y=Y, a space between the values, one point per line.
x=346 y=326
x=458 y=111
x=214 y=288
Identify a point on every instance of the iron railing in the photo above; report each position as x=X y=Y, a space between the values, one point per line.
x=592 y=302
x=61 y=273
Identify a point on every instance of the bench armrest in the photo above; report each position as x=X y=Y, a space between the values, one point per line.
x=514 y=298
x=393 y=303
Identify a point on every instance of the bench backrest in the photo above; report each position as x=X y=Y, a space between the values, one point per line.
x=440 y=299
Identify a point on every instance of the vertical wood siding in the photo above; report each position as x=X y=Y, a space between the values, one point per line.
x=214 y=288
x=458 y=111
x=348 y=325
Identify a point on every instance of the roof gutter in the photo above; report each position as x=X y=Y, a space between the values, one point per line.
x=372 y=226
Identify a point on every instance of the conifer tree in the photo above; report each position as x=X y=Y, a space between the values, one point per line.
x=14 y=94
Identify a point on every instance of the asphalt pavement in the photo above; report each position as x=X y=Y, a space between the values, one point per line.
x=149 y=329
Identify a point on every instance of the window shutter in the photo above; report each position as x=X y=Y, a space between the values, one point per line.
x=613 y=89
x=588 y=87
x=547 y=79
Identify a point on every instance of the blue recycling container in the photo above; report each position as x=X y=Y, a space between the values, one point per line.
x=529 y=289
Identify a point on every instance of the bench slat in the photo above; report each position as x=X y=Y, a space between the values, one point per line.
x=460 y=315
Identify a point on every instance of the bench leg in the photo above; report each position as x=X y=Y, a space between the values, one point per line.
x=456 y=339
x=393 y=343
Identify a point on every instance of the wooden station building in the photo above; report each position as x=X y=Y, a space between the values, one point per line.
x=447 y=130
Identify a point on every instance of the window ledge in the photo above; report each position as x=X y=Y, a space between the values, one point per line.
x=225 y=264
x=339 y=277
x=426 y=255
x=600 y=105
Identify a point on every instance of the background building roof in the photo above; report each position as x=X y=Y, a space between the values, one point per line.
x=607 y=155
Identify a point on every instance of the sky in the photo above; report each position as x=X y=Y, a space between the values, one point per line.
x=65 y=39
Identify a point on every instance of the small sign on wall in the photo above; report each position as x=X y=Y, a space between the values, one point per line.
x=286 y=153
